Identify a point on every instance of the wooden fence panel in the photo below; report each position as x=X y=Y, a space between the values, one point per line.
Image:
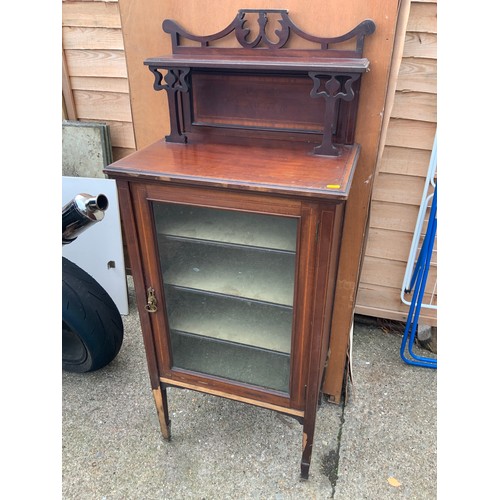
x=401 y=173
x=97 y=74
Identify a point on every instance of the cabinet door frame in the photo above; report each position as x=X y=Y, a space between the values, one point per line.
x=306 y=213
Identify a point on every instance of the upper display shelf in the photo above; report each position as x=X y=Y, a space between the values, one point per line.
x=263 y=77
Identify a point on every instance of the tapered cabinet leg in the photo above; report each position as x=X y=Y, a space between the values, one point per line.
x=160 y=397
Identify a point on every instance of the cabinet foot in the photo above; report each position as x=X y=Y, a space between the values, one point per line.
x=304 y=470
x=305 y=462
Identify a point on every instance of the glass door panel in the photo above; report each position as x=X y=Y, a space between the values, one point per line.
x=239 y=271
x=232 y=361
x=230 y=318
x=244 y=228
x=229 y=288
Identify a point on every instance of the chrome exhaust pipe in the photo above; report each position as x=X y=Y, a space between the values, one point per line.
x=83 y=210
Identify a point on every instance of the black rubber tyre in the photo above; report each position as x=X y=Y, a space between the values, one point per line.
x=92 y=328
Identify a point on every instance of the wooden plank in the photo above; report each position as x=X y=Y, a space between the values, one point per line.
x=143 y=37
x=388 y=244
x=119 y=153
x=207 y=390
x=417 y=74
x=91 y=14
x=420 y=45
x=64 y=113
x=395 y=216
x=357 y=209
x=67 y=93
x=385 y=302
x=102 y=106
x=405 y=161
x=415 y=106
x=122 y=133
x=402 y=20
x=423 y=17
x=97 y=83
x=389 y=273
x=404 y=189
x=382 y=272
x=76 y=37
x=410 y=134
x=394 y=245
x=109 y=63
x=389 y=299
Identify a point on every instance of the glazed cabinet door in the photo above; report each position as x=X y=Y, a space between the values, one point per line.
x=228 y=282
x=228 y=279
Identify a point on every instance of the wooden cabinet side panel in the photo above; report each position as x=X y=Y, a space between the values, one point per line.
x=332 y=271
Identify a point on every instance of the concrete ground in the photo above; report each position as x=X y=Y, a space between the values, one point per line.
x=380 y=444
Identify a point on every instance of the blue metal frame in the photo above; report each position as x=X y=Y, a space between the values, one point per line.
x=419 y=281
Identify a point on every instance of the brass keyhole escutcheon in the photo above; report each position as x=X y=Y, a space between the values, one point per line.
x=151 y=305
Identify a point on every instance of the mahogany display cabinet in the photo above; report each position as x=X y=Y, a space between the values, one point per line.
x=233 y=221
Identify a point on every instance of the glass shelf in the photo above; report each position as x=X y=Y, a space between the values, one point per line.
x=229 y=287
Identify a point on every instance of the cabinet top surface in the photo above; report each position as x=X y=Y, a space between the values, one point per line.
x=261 y=167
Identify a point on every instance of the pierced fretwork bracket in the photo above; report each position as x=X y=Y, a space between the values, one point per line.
x=332 y=87
x=174 y=81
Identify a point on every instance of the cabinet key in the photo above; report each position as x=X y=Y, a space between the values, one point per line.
x=151 y=306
